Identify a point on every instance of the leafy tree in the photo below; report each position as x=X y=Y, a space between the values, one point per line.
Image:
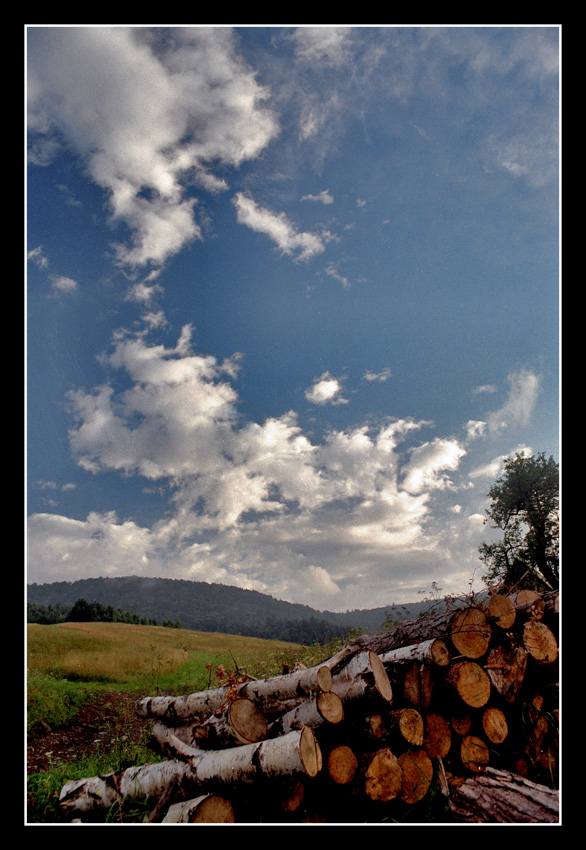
x=525 y=506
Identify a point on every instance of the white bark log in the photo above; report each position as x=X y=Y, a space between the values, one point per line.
x=313 y=712
x=364 y=665
x=303 y=682
x=434 y=651
x=208 y=808
x=177 y=710
x=194 y=771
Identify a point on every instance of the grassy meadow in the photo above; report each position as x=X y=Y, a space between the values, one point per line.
x=74 y=659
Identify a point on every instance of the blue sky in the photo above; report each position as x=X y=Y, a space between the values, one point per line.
x=292 y=299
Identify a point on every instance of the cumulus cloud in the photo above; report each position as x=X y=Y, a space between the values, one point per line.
x=278 y=228
x=149 y=114
x=430 y=464
x=326 y=390
x=258 y=505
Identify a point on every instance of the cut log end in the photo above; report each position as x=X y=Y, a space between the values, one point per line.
x=495 y=725
x=416 y=776
x=381 y=679
x=474 y=753
x=248 y=722
x=438 y=736
x=324 y=678
x=440 y=653
x=471 y=682
x=342 y=764
x=410 y=724
x=330 y=707
x=540 y=642
x=310 y=752
x=470 y=632
x=383 y=776
x=209 y=808
x=502 y=611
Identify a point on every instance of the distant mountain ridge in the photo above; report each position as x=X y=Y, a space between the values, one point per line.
x=219 y=608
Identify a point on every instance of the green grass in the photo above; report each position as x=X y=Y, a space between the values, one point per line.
x=51 y=702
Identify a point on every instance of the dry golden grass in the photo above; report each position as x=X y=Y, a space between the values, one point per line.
x=123 y=653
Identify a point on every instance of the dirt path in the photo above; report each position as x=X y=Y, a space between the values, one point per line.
x=100 y=724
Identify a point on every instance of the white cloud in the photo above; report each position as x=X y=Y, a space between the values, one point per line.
x=148 y=115
x=57 y=546
x=332 y=271
x=381 y=376
x=258 y=505
x=326 y=390
x=493 y=468
x=38 y=258
x=323 y=197
x=475 y=428
x=520 y=403
x=430 y=463
x=278 y=228
x=63 y=285
x=326 y=44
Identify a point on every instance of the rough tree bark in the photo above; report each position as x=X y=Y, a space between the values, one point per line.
x=496 y=796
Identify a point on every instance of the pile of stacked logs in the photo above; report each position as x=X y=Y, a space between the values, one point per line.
x=458 y=710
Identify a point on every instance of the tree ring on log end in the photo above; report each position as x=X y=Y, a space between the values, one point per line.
x=383 y=684
x=310 y=752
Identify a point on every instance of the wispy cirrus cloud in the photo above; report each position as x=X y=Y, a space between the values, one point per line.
x=524 y=388
x=291 y=241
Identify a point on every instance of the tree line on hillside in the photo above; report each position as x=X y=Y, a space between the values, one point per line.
x=88 y=612
x=308 y=631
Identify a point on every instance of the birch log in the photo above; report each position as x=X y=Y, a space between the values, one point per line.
x=304 y=682
x=208 y=808
x=180 y=709
x=240 y=722
x=313 y=712
x=191 y=771
x=434 y=651
x=364 y=666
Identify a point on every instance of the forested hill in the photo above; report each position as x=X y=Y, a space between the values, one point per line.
x=214 y=607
